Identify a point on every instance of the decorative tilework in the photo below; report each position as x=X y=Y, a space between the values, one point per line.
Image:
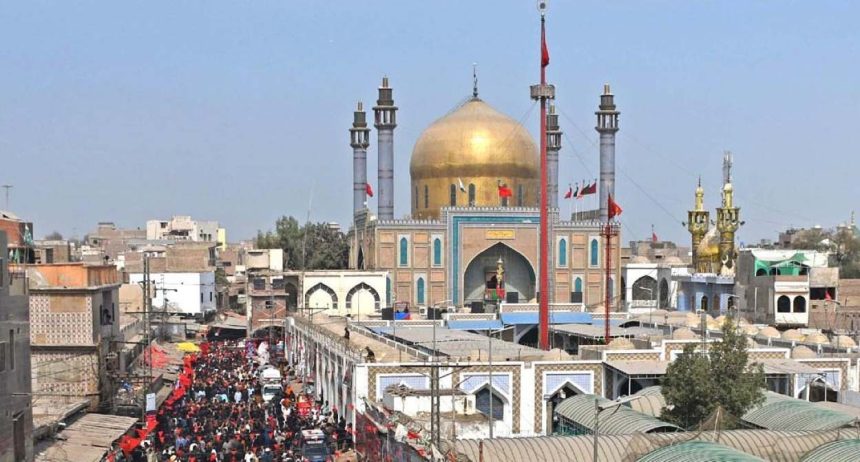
x=501 y=382
x=554 y=381
x=49 y=327
x=539 y=369
x=374 y=373
x=413 y=381
x=513 y=371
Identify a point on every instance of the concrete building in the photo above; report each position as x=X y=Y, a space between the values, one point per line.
x=55 y=251
x=183 y=228
x=108 y=240
x=780 y=287
x=74 y=330
x=650 y=285
x=19 y=235
x=189 y=294
x=16 y=415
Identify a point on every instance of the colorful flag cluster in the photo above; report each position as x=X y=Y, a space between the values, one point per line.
x=582 y=190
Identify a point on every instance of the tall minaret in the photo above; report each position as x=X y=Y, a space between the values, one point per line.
x=728 y=220
x=359 y=136
x=698 y=224
x=607 y=125
x=385 y=113
x=553 y=145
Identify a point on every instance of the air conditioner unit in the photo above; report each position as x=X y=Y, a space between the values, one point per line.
x=422 y=310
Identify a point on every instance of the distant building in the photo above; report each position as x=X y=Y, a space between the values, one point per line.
x=74 y=330
x=183 y=228
x=780 y=287
x=16 y=424
x=109 y=241
x=54 y=251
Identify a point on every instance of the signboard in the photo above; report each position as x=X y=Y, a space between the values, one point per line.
x=500 y=234
x=150 y=402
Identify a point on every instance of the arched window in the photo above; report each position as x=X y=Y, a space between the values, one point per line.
x=419 y=291
x=437 y=252
x=704 y=305
x=426 y=196
x=576 y=295
x=595 y=253
x=664 y=294
x=761 y=272
x=471 y=195
x=519 y=195
x=452 y=191
x=482 y=403
x=415 y=196
x=404 y=251
x=783 y=304
x=799 y=304
x=562 y=252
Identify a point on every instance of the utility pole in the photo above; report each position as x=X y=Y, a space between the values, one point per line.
x=7 y=187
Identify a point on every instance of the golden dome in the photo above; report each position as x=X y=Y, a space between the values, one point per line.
x=709 y=247
x=479 y=146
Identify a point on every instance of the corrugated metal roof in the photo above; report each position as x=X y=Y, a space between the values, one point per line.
x=85 y=440
x=837 y=451
x=597 y=330
x=616 y=420
x=698 y=451
x=651 y=401
x=639 y=368
x=770 y=445
x=483 y=324
x=787 y=413
x=554 y=318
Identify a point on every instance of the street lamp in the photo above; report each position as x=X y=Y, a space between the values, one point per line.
x=601 y=407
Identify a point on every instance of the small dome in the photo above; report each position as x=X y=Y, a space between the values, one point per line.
x=768 y=332
x=793 y=335
x=749 y=329
x=640 y=259
x=684 y=334
x=620 y=343
x=844 y=341
x=817 y=338
x=673 y=261
x=802 y=352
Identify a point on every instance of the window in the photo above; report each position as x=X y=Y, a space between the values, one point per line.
x=387 y=291
x=426 y=196
x=471 y=195
x=259 y=284
x=799 y=304
x=783 y=304
x=482 y=403
x=562 y=252
x=415 y=196
x=704 y=305
x=437 y=252
x=453 y=193
x=576 y=295
x=404 y=251
x=210 y=296
x=595 y=253
x=2 y=356
x=201 y=297
x=519 y=195
x=419 y=291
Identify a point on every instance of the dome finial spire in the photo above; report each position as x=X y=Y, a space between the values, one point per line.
x=475 y=80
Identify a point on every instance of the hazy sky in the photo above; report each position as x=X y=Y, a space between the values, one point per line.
x=238 y=111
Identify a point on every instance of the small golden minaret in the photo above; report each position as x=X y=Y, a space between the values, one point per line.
x=698 y=222
x=728 y=221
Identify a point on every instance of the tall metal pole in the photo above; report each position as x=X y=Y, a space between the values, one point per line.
x=490 y=354
x=544 y=193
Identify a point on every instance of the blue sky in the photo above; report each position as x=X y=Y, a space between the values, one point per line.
x=238 y=111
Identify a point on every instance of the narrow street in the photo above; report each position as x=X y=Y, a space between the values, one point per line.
x=238 y=405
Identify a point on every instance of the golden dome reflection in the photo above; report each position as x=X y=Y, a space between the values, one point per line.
x=481 y=147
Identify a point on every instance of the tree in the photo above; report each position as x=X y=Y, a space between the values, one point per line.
x=843 y=244
x=696 y=384
x=313 y=246
x=54 y=236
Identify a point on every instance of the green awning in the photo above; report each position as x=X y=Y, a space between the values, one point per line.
x=698 y=451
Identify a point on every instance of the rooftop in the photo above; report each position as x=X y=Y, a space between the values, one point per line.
x=86 y=440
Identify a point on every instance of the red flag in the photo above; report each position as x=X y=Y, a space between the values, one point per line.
x=654 y=237
x=544 y=51
x=827 y=296
x=614 y=209
x=587 y=190
x=368 y=189
x=569 y=192
x=505 y=191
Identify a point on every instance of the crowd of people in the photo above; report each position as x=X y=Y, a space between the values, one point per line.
x=223 y=417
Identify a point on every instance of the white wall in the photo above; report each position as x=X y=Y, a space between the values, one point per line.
x=184 y=291
x=342 y=282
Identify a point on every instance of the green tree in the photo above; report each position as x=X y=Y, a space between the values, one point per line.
x=313 y=246
x=842 y=243
x=695 y=384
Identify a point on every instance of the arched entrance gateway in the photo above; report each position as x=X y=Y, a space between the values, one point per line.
x=481 y=281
